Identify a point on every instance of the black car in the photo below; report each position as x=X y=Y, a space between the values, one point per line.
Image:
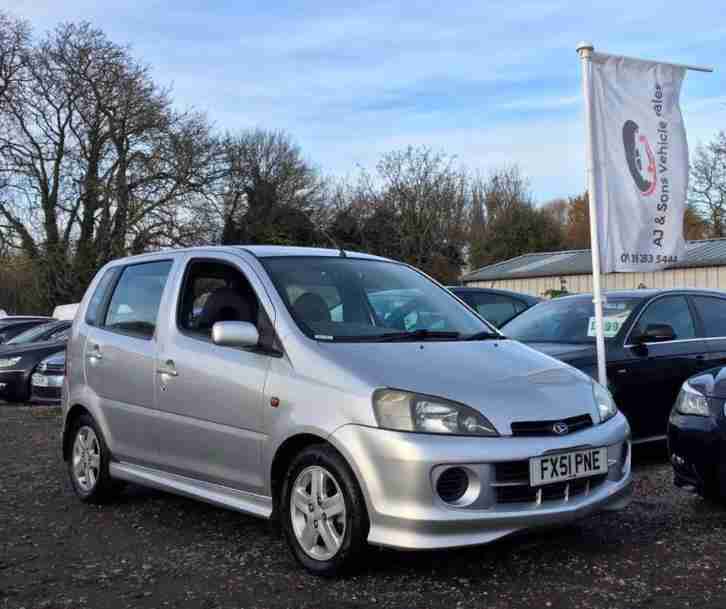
x=47 y=380
x=494 y=305
x=697 y=434
x=19 y=361
x=655 y=340
x=12 y=326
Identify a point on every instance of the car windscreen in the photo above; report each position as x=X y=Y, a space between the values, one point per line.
x=35 y=333
x=571 y=320
x=354 y=299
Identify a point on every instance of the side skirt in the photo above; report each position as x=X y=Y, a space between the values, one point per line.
x=216 y=494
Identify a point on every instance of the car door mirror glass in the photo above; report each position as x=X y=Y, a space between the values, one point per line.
x=235 y=334
x=657 y=333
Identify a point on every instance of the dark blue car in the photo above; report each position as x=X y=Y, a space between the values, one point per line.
x=697 y=434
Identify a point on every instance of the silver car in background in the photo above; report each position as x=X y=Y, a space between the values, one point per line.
x=349 y=396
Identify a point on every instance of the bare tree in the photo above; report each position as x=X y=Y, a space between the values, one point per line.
x=97 y=162
x=269 y=192
x=707 y=192
x=427 y=196
x=514 y=225
x=14 y=43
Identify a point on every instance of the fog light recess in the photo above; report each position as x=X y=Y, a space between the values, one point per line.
x=453 y=484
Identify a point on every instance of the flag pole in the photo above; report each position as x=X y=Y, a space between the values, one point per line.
x=585 y=50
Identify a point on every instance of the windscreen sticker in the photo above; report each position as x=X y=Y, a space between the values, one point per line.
x=611 y=326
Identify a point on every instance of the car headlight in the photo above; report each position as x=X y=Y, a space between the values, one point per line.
x=405 y=411
x=692 y=402
x=605 y=403
x=9 y=362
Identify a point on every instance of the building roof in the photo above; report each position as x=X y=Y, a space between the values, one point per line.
x=708 y=252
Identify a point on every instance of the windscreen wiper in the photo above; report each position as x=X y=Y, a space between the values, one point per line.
x=485 y=335
x=415 y=335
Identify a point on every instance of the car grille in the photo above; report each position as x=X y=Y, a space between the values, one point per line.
x=512 y=485
x=546 y=428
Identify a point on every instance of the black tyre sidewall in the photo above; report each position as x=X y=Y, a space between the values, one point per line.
x=356 y=525
x=105 y=486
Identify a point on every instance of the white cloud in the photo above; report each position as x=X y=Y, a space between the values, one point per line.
x=491 y=81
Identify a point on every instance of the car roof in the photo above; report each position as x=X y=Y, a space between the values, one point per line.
x=55 y=323
x=645 y=293
x=258 y=251
x=498 y=291
x=275 y=251
x=15 y=320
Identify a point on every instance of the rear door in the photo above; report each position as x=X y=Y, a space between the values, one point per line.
x=649 y=378
x=711 y=318
x=119 y=356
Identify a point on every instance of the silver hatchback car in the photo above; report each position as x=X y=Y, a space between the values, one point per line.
x=349 y=396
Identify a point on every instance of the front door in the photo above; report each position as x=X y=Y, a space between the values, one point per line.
x=212 y=396
x=647 y=381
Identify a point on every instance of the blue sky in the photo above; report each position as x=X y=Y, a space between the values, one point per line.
x=493 y=82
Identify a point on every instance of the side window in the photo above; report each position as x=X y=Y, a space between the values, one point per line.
x=99 y=297
x=519 y=306
x=713 y=315
x=214 y=291
x=62 y=334
x=671 y=310
x=134 y=306
x=495 y=308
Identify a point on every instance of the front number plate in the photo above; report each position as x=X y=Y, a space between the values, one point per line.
x=561 y=467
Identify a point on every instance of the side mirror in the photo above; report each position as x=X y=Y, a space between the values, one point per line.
x=235 y=334
x=657 y=333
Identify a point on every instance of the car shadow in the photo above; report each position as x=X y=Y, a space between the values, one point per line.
x=650 y=453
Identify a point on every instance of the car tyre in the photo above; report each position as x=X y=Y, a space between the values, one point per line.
x=322 y=512
x=712 y=493
x=88 y=462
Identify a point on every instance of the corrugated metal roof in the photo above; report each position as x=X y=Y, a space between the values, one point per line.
x=709 y=252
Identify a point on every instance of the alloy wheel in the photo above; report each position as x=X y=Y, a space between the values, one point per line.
x=86 y=459
x=317 y=510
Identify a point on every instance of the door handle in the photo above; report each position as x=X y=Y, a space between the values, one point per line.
x=95 y=353
x=169 y=369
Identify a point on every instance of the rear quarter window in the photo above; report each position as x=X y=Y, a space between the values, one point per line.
x=712 y=312
x=94 y=312
x=134 y=305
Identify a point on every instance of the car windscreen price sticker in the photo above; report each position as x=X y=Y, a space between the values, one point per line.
x=611 y=326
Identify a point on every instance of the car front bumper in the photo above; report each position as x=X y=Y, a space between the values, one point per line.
x=12 y=382
x=398 y=473
x=46 y=388
x=697 y=450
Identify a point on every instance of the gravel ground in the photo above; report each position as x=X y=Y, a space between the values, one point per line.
x=151 y=549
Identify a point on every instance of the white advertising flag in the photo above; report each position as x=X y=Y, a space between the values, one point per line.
x=640 y=162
